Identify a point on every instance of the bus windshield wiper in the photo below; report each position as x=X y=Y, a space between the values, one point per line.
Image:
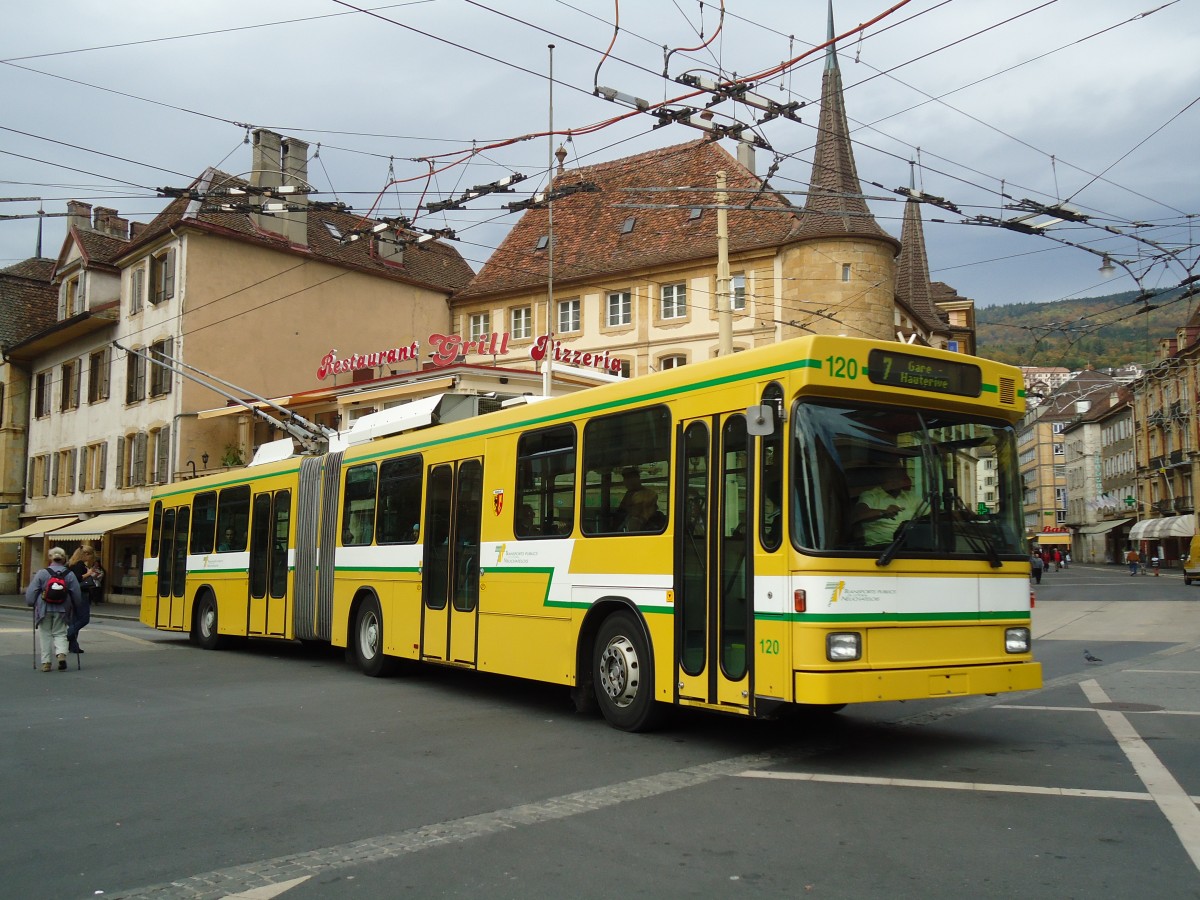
x=901 y=533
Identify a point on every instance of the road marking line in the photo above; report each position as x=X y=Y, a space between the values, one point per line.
x=266 y=873
x=1165 y=671
x=1088 y=709
x=267 y=893
x=1175 y=804
x=948 y=785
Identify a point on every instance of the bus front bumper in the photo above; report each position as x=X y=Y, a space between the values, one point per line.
x=915 y=684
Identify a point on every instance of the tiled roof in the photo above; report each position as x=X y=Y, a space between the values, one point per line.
x=912 y=269
x=28 y=301
x=99 y=250
x=434 y=264
x=835 y=205
x=590 y=237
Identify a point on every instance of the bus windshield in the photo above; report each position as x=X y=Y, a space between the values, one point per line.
x=904 y=483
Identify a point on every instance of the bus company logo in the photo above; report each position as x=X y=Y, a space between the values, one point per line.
x=501 y=549
x=497 y=500
x=836 y=587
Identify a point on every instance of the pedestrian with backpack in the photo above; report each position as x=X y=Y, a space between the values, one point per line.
x=53 y=593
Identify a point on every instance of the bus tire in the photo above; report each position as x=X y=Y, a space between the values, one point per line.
x=204 y=623
x=623 y=673
x=368 y=640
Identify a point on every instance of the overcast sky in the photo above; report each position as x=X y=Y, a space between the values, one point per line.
x=1079 y=101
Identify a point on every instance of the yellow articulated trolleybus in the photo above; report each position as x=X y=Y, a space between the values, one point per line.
x=820 y=522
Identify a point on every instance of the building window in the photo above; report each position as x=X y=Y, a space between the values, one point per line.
x=131 y=460
x=845 y=271
x=522 y=323
x=137 y=290
x=737 y=292
x=568 y=315
x=98 y=375
x=674 y=301
x=626 y=368
x=162 y=276
x=1058 y=450
x=627 y=226
x=620 y=308
x=160 y=449
x=543 y=242
x=160 y=378
x=72 y=297
x=91 y=474
x=135 y=378
x=39 y=476
x=70 y=373
x=63 y=477
x=674 y=361
x=1 y=403
x=480 y=324
x=41 y=395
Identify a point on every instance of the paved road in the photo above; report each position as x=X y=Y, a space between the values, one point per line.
x=180 y=773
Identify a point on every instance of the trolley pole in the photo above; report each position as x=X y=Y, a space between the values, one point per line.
x=724 y=309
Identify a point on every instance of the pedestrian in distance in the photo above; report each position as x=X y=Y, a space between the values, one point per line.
x=53 y=593
x=1036 y=566
x=87 y=571
x=1132 y=559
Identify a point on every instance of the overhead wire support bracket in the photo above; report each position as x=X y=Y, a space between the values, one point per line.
x=543 y=197
x=501 y=186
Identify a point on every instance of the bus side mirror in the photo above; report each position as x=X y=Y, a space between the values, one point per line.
x=760 y=420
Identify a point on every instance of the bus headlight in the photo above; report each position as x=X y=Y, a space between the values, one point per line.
x=843 y=646
x=1016 y=640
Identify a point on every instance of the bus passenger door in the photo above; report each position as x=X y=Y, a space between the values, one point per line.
x=713 y=603
x=270 y=521
x=172 y=567
x=450 y=562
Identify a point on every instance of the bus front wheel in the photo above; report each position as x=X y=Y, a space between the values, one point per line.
x=623 y=673
x=204 y=624
x=368 y=639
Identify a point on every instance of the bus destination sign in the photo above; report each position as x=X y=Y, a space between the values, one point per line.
x=920 y=373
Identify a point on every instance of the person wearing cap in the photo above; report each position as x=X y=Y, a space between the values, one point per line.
x=52 y=620
x=882 y=509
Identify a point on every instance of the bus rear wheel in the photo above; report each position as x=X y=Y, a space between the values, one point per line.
x=368 y=640
x=623 y=674
x=204 y=623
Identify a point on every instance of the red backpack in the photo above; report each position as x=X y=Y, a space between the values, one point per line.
x=55 y=590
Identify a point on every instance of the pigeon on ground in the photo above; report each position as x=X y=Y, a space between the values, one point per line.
x=1087 y=655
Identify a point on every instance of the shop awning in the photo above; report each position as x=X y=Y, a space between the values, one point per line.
x=1166 y=526
x=1051 y=538
x=1102 y=527
x=99 y=526
x=37 y=528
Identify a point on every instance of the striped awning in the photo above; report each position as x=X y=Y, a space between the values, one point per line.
x=1165 y=526
x=37 y=528
x=99 y=526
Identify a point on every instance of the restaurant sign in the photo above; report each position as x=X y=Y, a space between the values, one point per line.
x=445 y=349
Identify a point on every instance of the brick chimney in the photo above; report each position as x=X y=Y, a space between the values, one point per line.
x=79 y=215
x=106 y=221
x=278 y=161
x=136 y=228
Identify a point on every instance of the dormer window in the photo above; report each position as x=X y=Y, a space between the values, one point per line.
x=695 y=213
x=162 y=276
x=543 y=242
x=627 y=225
x=72 y=297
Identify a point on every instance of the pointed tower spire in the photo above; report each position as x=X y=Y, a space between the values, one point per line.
x=912 y=265
x=835 y=205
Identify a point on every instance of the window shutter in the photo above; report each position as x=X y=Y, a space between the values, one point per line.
x=29 y=478
x=103 y=465
x=166 y=374
x=55 y=477
x=45 y=476
x=169 y=274
x=164 y=447
x=122 y=478
x=72 y=470
x=140 y=377
x=105 y=371
x=76 y=382
x=139 y=458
